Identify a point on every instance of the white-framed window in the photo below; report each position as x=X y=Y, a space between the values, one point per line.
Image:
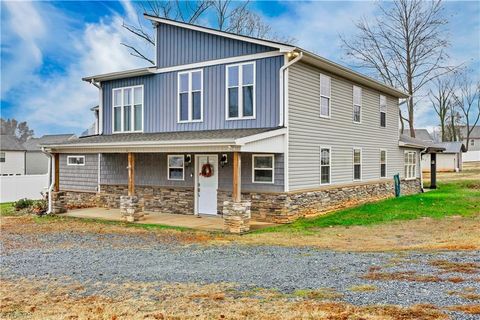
x=472 y=142
x=383 y=111
x=410 y=164
x=240 y=92
x=128 y=109
x=325 y=165
x=383 y=163
x=2 y=156
x=357 y=104
x=357 y=164
x=176 y=167
x=263 y=168
x=325 y=95
x=75 y=160
x=190 y=96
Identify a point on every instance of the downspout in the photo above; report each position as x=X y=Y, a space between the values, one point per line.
x=284 y=111
x=420 y=168
x=52 y=180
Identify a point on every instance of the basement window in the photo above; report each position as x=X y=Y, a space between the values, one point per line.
x=263 y=171
x=176 y=167
x=75 y=160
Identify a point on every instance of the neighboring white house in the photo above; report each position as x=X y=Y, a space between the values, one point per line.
x=36 y=161
x=473 y=153
x=12 y=156
x=448 y=160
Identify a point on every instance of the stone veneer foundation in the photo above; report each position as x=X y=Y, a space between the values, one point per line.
x=269 y=207
x=236 y=216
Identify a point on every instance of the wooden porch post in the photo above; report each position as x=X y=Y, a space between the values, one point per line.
x=131 y=174
x=237 y=169
x=433 y=170
x=56 y=161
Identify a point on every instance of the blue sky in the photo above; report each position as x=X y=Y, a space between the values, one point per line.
x=47 y=47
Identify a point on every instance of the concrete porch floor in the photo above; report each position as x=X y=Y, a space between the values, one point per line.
x=205 y=222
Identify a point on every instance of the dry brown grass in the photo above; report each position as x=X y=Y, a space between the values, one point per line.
x=408 y=276
x=27 y=299
x=470 y=308
x=468 y=293
x=459 y=267
x=471 y=171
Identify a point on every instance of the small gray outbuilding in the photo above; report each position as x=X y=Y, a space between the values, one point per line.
x=448 y=160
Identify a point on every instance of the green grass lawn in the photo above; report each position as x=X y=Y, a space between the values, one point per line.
x=456 y=198
x=6 y=209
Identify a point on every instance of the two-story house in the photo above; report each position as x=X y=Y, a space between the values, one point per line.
x=224 y=118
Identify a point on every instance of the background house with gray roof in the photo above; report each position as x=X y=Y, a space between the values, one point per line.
x=473 y=144
x=12 y=156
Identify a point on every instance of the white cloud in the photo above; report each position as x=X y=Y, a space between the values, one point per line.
x=60 y=101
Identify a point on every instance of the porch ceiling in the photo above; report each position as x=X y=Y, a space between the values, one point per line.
x=188 y=141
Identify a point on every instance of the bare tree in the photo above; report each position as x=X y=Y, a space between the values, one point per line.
x=230 y=16
x=442 y=99
x=12 y=127
x=404 y=46
x=468 y=103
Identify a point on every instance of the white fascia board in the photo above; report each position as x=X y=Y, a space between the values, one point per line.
x=145 y=143
x=220 y=61
x=120 y=74
x=273 y=44
x=260 y=136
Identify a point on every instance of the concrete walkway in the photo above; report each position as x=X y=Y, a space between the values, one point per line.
x=204 y=222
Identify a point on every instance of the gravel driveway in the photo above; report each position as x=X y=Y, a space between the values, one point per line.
x=121 y=258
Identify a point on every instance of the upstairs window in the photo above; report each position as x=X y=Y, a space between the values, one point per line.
x=410 y=164
x=2 y=156
x=383 y=163
x=190 y=96
x=176 y=167
x=325 y=165
x=357 y=164
x=325 y=92
x=383 y=111
x=357 y=104
x=263 y=170
x=75 y=160
x=472 y=142
x=128 y=109
x=240 y=96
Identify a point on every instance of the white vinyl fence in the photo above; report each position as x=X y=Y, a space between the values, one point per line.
x=471 y=156
x=13 y=188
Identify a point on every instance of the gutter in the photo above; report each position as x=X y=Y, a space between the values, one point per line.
x=52 y=180
x=283 y=110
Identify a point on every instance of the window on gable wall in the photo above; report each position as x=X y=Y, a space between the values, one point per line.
x=325 y=165
x=241 y=91
x=383 y=163
x=325 y=91
x=128 y=109
x=357 y=164
x=357 y=104
x=383 y=111
x=190 y=96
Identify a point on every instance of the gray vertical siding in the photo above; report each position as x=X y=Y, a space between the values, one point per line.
x=160 y=99
x=79 y=178
x=151 y=170
x=36 y=162
x=307 y=131
x=178 y=46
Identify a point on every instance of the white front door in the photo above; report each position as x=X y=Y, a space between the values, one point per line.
x=207 y=186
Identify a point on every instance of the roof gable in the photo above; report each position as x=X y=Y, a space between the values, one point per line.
x=10 y=143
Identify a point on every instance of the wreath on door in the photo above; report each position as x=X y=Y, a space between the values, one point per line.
x=207 y=170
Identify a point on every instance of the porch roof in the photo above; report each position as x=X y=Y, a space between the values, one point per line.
x=231 y=139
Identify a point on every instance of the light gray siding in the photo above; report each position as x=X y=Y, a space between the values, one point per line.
x=308 y=131
x=160 y=99
x=151 y=170
x=178 y=46
x=79 y=178
x=36 y=162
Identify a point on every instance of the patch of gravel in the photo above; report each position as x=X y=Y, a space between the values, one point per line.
x=117 y=259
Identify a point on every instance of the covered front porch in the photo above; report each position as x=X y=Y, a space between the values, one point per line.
x=208 y=183
x=200 y=222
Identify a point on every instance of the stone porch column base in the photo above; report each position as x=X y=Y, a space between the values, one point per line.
x=58 y=202
x=130 y=208
x=236 y=216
